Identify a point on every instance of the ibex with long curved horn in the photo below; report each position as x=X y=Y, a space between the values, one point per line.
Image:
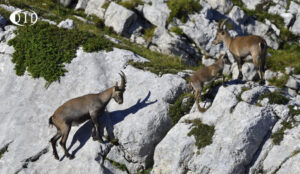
x=242 y=46
x=78 y=110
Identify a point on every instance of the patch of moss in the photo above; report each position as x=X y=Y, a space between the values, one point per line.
x=274 y=97
x=202 y=133
x=182 y=8
x=42 y=49
x=177 y=30
x=280 y=83
x=5 y=14
x=120 y=166
x=130 y=4
x=179 y=109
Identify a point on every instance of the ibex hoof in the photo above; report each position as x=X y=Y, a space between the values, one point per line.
x=71 y=157
x=56 y=156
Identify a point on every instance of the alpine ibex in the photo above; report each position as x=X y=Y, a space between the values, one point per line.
x=206 y=74
x=242 y=46
x=78 y=110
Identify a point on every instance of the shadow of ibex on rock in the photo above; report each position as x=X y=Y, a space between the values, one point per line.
x=108 y=120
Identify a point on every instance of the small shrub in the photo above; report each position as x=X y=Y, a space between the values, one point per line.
x=280 y=83
x=177 y=30
x=293 y=112
x=97 y=44
x=42 y=49
x=179 y=109
x=203 y=133
x=181 y=8
x=274 y=97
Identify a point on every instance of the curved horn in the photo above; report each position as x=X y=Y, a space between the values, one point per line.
x=123 y=81
x=222 y=24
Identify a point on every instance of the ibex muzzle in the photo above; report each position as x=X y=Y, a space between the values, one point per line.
x=80 y=109
x=242 y=46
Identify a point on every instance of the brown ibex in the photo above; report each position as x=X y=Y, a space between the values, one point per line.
x=242 y=46
x=78 y=110
x=206 y=74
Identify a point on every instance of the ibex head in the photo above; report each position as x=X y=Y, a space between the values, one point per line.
x=221 y=33
x=119 y=90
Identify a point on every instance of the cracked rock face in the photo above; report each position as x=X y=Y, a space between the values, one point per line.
x=238 y=135
x=139 y=123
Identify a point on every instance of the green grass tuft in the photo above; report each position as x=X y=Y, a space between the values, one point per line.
x=177 y=30
x=148 y=33
x=280 y=83
x=130 y=4
x=277 y=136
x=179 y=109
x=274 y=97
x=181 y=8
x=120 y=166
x=203 y=133
x=106 y=4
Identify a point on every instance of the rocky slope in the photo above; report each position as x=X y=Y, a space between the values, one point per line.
x=255 y=128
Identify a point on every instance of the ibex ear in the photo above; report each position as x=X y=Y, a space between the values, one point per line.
x=116 y=84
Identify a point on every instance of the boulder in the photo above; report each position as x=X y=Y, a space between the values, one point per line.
x=238 y=15
x=235 y=71
x=81 y=4
x=249 y=72
x=287 y=18
x=157 y=13
x=68 y=24
x=279 y=155
x=202 y=31
x=250 y=96
x=223 y=6
x=289 y=70
x=139 y=123
x=296 y=27
x=95 y=7
x=269 y=74
x=293 y=83
x=294 y=8
x=238 y=135
x=119 y=18
x=171 y=43
x=277 y=9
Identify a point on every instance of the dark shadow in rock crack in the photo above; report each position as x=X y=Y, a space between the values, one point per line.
x=109 y=119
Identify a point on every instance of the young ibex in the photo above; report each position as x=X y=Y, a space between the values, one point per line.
x=206 y=74
x=78 y=110
x=242 y=46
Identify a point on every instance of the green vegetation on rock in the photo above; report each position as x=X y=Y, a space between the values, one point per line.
x=42 y=49
x=182 y=8
x=203 y=133
x=279 y=82
x=177 y=30
x=130 y=4
x=181 y=108
x=274 y=97
x=120 y=166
